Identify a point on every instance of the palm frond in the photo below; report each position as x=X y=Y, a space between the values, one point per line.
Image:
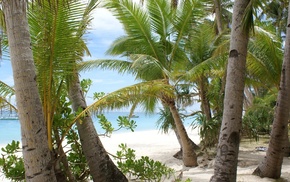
x=160 y=17
x=6 y=92
x=146 y=94
x=188 y=14
x=136 y=23
x=265 y=57
x=121 y=66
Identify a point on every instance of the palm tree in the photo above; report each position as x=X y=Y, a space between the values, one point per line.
x=37 y=157
x=154 y=45
x=59 y=46
x=153 y=40
x=272 y=163
x=228 y=148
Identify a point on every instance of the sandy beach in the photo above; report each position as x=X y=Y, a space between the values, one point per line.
x=162 y=147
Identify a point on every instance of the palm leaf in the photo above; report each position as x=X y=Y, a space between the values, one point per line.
x=187 y=14
x=265 y=57
x=136 y=23
x=6 y=92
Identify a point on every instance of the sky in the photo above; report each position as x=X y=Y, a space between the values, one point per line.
x=103 y=31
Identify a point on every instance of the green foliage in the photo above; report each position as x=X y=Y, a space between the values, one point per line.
x=62 y=123
x=208 y=130
x=144 y=169
x=76 y=158
x=123 y=122
x=85 y=85
x=179 y=180
x=12 y=166
x=259 y=117
x=98 y=95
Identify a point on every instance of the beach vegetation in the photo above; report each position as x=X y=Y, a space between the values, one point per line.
x=123 y=122
x=142 y=169
x=259 y=117
x=11 y=163
x=208 y=130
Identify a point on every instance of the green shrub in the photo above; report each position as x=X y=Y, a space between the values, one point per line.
x=12 y=165
x=143 y=169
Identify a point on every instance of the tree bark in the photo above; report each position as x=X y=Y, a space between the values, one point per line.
x=218 y=16
x=205 y=106
x=101 y=166
x=188 y=155
x=225 y=168
x=36 y=154
x=272 y=163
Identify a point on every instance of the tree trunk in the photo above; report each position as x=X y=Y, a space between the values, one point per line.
x=178 y=155
x=63 y=159
x=272 y=163
x=218 y=16
x=36 y=154
x=225 y=168
x=188 y=155
x=101 y=166
x=205 y=106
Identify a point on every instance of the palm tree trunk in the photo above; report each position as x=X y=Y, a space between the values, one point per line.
x=272 y=163
x=36 y=154
x=101 y=166
x=225 y=168
x=205 y=106
x=63 y=159
x=218 y=15
x=188 y=155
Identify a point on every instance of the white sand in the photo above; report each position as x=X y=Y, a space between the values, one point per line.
x=162 y=147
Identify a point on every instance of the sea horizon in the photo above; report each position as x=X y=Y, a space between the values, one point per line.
x=10 y=129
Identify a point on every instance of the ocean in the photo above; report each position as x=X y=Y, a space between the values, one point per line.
x=10 y=129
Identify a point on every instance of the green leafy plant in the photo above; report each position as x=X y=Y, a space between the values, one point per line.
x=123 y=122
x=179 y=180
x=208 y=130
x=259 y=116
x=11 y=164
x=144 y=169
x=76 y=158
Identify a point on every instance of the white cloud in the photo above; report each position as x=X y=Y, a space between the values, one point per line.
x=103 y=21
x=97 y=81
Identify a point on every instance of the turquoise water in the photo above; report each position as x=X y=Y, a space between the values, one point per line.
x=10 y=129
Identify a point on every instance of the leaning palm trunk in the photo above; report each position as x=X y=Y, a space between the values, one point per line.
x=225 y=168
x=188 y=155
x=102 y=168
x=36 y=154
x=272 y=163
